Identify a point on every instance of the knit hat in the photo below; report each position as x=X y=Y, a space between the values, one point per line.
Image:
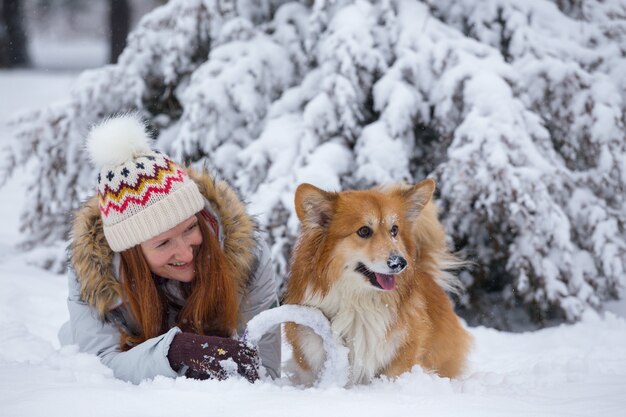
x=142 y=192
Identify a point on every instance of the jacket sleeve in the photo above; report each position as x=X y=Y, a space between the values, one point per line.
x=260 y=296
x=92 y=335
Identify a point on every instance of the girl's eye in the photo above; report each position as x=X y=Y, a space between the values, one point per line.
x=163 y=244
x=364 y=232
x=394 y=230
x=193 y=226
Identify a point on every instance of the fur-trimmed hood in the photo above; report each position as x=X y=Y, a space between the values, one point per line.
x=93 y=260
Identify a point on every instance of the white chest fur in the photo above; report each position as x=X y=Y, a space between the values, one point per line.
x=361 y=317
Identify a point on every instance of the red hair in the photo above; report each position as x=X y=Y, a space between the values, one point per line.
x=211 y=301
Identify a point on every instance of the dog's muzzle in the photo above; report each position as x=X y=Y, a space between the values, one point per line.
x=384 y=281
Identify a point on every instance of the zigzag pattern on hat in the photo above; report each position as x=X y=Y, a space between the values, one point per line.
x=140 y=191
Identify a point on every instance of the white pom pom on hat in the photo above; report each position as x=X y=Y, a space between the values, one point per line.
x=117 y=140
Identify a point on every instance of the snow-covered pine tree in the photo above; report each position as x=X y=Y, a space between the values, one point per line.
x=516 y=108
x=559 y=233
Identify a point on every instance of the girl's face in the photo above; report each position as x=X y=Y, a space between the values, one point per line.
x=171 y=254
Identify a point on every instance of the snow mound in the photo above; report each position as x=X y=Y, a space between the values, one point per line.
x=336 y=367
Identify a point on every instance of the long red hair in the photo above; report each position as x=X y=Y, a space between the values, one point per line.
x=211 y=299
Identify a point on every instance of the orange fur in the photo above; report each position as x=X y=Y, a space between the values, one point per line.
x=389 y=331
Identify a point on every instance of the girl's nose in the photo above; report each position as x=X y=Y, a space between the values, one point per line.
x=185 y=252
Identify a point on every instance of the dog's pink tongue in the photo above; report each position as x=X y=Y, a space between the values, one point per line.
x=388 y=282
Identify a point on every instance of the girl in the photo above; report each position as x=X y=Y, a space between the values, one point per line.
x=166 y=267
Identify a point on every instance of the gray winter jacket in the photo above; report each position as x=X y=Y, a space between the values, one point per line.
x=94 y=300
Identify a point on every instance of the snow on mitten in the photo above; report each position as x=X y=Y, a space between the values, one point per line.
x=213 y=357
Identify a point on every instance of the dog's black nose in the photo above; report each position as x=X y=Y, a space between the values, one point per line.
x=396 y=263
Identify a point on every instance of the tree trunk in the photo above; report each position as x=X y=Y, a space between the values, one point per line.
x=119 y=24
x=13 y=45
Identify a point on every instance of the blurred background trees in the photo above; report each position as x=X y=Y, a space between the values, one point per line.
x=110 y=20
x=119 y=27
x=13 y=41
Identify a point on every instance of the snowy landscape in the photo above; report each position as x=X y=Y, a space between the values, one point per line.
x=575 y=368
x=569 y=370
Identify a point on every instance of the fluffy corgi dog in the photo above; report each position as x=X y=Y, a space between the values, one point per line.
x=374 y=262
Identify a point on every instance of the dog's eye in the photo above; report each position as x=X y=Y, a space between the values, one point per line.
x=364 y=232
x=394 y=230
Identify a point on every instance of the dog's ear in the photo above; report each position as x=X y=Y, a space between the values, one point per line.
x=314 y=206
x=417 y=196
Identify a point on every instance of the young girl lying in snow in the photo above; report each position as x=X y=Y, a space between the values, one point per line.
x=166 y=268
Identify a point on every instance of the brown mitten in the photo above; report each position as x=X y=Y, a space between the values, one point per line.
x=213 y=357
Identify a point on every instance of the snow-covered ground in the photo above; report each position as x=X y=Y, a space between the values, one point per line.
x=570 y=370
